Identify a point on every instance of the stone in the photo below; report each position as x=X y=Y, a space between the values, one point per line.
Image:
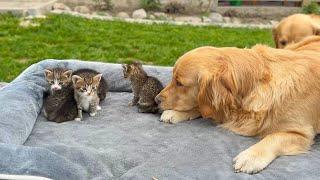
x=82 y=9
x=205 y=19
x=152 y=17
x=189 y=19
x=216 y=17
x=160 y=14
x=227 y=19
x=139 y=14
x=123 y=15
x=60 y=6
x=273 y=23
x=236 y=20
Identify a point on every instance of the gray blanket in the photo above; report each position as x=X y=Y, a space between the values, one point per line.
x=120 y=143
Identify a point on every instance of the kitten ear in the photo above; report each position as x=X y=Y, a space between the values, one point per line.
x=76 y=78
x=68 y=74
x=47 y=73
x=137 y=63
x=97 y=78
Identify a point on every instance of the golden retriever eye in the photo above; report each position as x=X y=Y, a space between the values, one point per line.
x=283 y=42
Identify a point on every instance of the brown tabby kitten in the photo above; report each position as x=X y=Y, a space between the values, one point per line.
x=60 y=105
x=89 y=89
x=145 y=88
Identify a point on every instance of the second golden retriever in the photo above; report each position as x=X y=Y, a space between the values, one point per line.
x=294 y=28
x=265 y=92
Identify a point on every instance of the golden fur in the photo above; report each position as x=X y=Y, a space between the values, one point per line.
x=295 y=28
x=265 y=92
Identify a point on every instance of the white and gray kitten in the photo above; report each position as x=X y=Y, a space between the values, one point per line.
x=89 y=89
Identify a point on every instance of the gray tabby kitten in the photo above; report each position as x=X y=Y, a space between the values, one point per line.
x=145 y=88
x=89 y=89
x=59 y=106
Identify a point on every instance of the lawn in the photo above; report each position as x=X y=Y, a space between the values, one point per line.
x=67 y=37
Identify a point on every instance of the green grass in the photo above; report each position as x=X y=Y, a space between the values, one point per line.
x=67 y=37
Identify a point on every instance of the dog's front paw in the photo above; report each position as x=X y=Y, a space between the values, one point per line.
x=171 y=116
x=77 y=119
x=92 y=114
x=252 y=161
x=98 y=108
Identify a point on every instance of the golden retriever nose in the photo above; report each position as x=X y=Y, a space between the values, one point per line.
x=157 y=99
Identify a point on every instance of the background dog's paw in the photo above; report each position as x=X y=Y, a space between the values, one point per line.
x=171 y=116
x=77 y=119
x=252 y=161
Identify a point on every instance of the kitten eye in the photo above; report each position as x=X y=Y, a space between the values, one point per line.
x=51 y=82
x=94 y=88
x=60 y=83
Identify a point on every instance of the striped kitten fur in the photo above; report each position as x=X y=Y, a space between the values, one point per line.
x=89 y=89
x=60 y=105
x=145 y=88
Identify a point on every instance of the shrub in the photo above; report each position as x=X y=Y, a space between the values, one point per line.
x=174 y=7
x=312 y=8
x=150 y=5
x=104 y=4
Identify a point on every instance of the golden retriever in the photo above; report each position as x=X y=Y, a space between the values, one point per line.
x=295 y=28
x=262 y=91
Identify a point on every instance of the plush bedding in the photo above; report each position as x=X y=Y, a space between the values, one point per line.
x=120 y=143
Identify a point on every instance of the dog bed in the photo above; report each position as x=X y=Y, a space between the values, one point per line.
x=119 y=142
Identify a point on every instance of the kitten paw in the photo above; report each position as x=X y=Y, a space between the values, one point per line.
x=77 y=119
x=92 y=114
x=130 y=104
x=98 y=108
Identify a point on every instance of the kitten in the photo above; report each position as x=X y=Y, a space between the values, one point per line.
x=89 y=89
x=145 y=88
x=59 y=105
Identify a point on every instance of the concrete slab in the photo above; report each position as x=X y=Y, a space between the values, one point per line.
x=26 y=7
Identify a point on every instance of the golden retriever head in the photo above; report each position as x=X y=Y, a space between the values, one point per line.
x=294 y=28
x=201 y=79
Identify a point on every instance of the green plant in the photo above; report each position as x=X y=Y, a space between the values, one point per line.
x=104 y=4
x=312 y=8
x=150 y=5
x=174 y=7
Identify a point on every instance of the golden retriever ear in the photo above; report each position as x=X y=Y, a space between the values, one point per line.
x=275 y=35
x=227 y=80
x=215 y=92
x=207 y=103
x=316 y=29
